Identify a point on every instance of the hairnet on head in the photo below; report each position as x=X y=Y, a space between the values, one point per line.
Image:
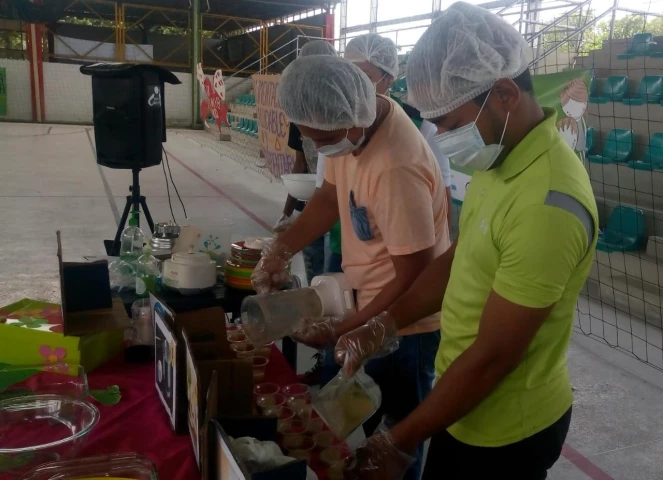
x=461 y=55
x=317 y=47
x=326 y=93
x=377 y=50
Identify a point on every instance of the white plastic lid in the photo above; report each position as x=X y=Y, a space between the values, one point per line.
x=191 y=258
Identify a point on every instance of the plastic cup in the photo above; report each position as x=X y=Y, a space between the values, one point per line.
x=294 y=427
x=297 y=395
x=243 y=350
x=334 y=456
x=324 y=439
x=265 y=350
x=259 y=368
x=302 y=446
x=272 y=403
x=285 y=419
x=234 y=328
x=303 y=411
x=263 y=391
x=315 y=425
x=336 y=472
x=236 y=337
x=297 y=441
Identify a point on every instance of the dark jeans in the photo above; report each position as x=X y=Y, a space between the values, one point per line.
x=529 y=459
x=314 y=259
x=405 y=378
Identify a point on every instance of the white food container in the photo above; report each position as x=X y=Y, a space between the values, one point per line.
x=189 y=273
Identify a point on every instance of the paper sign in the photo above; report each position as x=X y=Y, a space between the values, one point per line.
x=273 y=126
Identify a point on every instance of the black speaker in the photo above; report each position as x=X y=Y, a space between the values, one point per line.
x=129 y=113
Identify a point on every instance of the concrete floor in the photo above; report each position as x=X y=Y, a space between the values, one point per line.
x=50 y=181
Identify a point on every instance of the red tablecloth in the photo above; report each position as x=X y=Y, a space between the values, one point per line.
x=139 y=422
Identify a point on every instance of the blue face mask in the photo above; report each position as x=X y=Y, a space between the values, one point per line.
x=465 y=147
x=344 y=147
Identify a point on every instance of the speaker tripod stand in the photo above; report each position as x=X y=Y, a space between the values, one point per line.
x=134 y=202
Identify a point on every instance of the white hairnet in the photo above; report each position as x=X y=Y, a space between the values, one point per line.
x=317 y=47
x=377 y=50
x=461 y=55
x=326 y=93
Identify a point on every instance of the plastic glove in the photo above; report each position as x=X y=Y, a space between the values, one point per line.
x=317 y=332
x=376 y=338
x=282 y=225
x=377 y=457
x=271 y=273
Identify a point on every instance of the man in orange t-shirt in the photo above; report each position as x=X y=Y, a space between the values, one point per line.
x=382 y=181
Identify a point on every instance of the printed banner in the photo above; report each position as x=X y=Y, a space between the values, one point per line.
x=273 y=126
x=566 y=92
x=3 y=91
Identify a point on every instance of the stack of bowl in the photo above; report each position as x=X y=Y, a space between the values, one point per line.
x=240 y=265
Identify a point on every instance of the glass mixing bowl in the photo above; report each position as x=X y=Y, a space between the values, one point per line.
x=42 y=428
x=52 y=379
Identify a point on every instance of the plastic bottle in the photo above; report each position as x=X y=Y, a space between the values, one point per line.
x=148 y=272
x=131 y=246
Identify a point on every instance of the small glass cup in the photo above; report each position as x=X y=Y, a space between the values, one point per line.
x=265 y=350
x=236 y=337
x=294 y=427
x=301 y=446
x=285 y=419
x=259 y=368
x=243 y=350
x=315 y=425
x=263 y=391
x=324 y=439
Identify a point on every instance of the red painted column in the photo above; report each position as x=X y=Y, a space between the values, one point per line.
x=329 y=27
x=35 y=36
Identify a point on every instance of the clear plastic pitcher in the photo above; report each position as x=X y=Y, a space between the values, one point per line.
x=272 y=316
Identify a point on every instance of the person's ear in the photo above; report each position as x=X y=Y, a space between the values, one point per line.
x=507 y=94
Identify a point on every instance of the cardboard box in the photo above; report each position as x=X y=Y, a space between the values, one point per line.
x=223 y=463
x=200 y=337
x=87 y=329
x=225 y=381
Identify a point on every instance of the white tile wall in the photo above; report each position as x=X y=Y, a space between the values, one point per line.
x=178 y=102
x=19 y=103
x=68 y=94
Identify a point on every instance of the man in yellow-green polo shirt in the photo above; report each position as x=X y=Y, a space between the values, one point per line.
x=501 y=405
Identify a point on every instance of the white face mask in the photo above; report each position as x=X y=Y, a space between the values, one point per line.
x=465 y=147
x=375 y=84
x=344 y=147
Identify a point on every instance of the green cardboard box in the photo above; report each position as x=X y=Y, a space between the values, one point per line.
x=32 y=333
x=87 y=329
